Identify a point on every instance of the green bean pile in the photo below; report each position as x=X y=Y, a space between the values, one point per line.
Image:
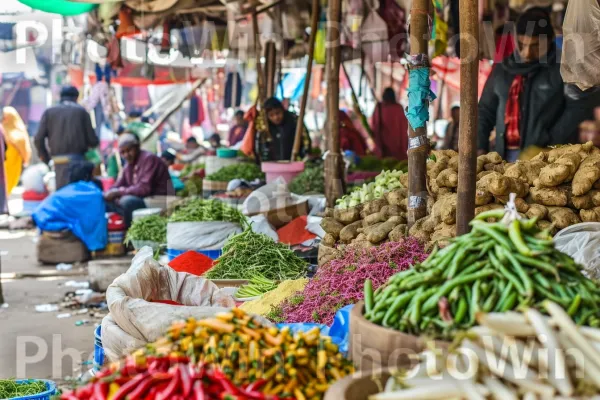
x=250 y=254
x=497 y=267
x=199 y=210
x=151 y=228
x=10 y=389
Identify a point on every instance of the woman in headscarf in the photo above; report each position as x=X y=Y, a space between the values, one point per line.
x=350 y=137
x=18 y=147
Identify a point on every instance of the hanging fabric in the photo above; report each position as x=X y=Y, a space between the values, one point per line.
x=197 y=116
x=439 y=35
x=229 y=100
x=395 y=21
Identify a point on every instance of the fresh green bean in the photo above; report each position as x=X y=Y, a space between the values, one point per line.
x=574 y=307
x=474 y=306
x=368 y=295
x=506 y=273
x=448 y=286
x=462 y=310
x=495 y=213
x=493 y=234
x=527 y=283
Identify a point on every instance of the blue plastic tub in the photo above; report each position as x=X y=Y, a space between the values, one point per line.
x=98 y=349
x=213 y=254
x=227 y=153
x=47 y=395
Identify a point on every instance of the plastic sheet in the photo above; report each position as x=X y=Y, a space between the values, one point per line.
x=581 y=44
x=200 y=235
x=419 y=95
x=581 y=242
x=339 y=330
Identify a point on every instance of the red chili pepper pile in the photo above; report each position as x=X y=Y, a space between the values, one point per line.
x=165 y=378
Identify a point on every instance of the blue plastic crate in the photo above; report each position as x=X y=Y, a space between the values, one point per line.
x=213 y=254
x=47 y=395
x=98 y=349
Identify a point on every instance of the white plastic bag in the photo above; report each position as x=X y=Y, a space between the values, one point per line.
x=272 y=196
x=582 y=243
x=581 y=44
x=33 y=177
x=134 y=321
x=200 y=235
x=313 y=225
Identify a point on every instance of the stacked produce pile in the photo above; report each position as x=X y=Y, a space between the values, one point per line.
x=256 y=286
x=246 y=171
x=560 y=186
x=165 y=378
x=191 y=176
x=300 y=366
x=311 y=180
x=340 y=282
x=497 y=267
x=264 y=305
x=9 y=388
x=250 y=255
x=199 y=210
x=511 y=356
x=152 y=228
x=374 y=214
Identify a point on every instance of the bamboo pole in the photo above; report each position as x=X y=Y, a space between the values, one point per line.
x=316 y=10
x=257 y=52
x=173 y=108
x=271 y=67
x=334 y=184
x=467 y=140
x=417 y=138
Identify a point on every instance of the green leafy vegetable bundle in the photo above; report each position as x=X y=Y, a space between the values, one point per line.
x=199 y=210
x=9 y=388
x=311 y=180
x=245 y=171
x=151 y=228
x=250 y=254
x=497 y=267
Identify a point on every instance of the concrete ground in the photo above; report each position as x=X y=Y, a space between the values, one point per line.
x=32 y=344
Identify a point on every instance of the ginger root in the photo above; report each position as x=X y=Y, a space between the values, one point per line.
x=563 y=217
x=592 y=215
x=537 y=210
x=587 y=174
x=560 y=171
x=526 y=171
x=555 y=197
x=447 y=178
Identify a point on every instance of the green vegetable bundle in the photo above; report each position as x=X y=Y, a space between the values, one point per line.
x=192 y=187
x=257 y=286
x=199 y=210
x=311 y=180
x=250 y=254
x=9 y=388
x=189 y=170
x=497 y=267
x=245 y=171
x=384 y=182
x=152 y=228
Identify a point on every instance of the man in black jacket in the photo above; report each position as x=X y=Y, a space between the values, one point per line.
x=525 y=98
x=65 y=134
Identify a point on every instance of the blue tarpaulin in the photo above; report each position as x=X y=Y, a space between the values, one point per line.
x=291 y=86
x=78 y=207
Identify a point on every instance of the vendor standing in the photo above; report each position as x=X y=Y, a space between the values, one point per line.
x=278 y=142
x=65 y=134
x=525 y=98
x=145 y=175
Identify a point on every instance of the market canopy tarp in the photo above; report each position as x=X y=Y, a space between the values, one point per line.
x=62 y=7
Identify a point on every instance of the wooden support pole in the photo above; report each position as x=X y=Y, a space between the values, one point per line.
x=417 y=138
x=467 y=140
x=271 y=67
x=315 y=11
x=334 y=184
x=259 y=71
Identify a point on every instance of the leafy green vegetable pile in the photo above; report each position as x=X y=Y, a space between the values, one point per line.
x=250 y=254
x=151 y=228
x=192 y=187
x=384 y=182
x=311 y=180
x=245 y=171
x=199 y=210
x=9 y=388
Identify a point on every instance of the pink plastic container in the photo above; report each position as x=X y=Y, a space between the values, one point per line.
x=287 y=170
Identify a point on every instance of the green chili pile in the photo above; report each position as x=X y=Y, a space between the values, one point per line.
x=9 y=388
x=250 y=254
x=497 y=267
x=245 y=171
x=151 y=228
x=199 y=210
